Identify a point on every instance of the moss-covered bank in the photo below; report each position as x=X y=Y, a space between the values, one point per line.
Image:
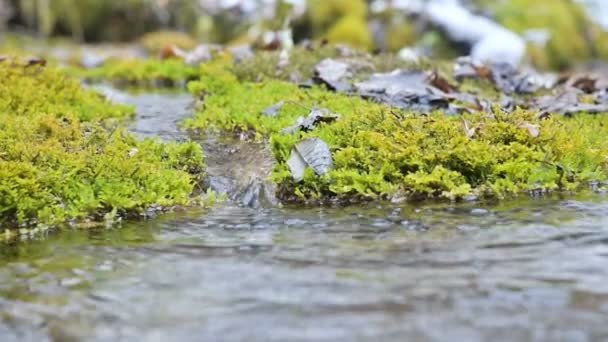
x=381 y=152
x=141 y=73
x=64 y=156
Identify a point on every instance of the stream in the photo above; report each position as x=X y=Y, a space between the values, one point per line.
x=532 y=269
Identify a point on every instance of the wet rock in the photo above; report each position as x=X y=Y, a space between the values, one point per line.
x=251 y=195
x=313 y=153
x=405 y=89
x=316 y=116
x=395 y=82
x=510 y=80
x=332 y=74
x=556 y=103
x=566 y=103
x=258 y=193
x=222 y=185
x=505 y=76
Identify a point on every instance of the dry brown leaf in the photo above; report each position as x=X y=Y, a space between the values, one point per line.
x=35 y=61
x=440 y=82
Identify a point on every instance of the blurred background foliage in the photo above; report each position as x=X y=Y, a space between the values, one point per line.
x=559 y=33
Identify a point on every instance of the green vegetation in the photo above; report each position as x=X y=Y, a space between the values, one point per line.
x=302 y=62
x=63 y=156
x=102 y=19
x=380 y=152
x=149 y=72
x=264 y=64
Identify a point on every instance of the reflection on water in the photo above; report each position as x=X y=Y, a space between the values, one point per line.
x=526 y=270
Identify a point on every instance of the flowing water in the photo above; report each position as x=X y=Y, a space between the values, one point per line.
x=526 y=270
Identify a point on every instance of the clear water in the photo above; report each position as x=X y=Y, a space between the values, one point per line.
x=532 y=270
x=526 y=270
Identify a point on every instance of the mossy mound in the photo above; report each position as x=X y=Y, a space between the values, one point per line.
x=381 y=152
x=32 y=90
x=149 y=72
x=263 y=65
x=302 y=62
x=62 y=160
x=573 y=37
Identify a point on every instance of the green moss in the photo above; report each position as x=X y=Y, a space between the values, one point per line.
x=59 y=161
x=264 y=64
x=27 y=91
x=565 y=21
x=381 y=152
x=150 y=72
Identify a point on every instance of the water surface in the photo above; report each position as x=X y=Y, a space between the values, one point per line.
x=528 y=270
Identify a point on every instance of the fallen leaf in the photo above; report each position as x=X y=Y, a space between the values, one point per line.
x=168 y=52
x=533 y=130
x=313 y=153
x=440 y=82
x=35 y=61
x=584 y=83
x=273 y=110
x=469 y=132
